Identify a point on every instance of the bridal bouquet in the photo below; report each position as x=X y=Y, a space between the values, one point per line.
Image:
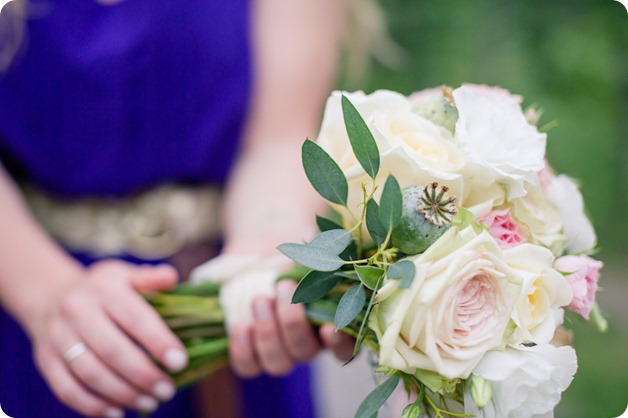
x=451 y=250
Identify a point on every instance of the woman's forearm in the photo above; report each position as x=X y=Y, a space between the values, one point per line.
x=269 y=200
x=33 y=268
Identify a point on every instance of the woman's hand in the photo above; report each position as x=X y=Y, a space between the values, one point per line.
x=281 y=337
x=94 y=343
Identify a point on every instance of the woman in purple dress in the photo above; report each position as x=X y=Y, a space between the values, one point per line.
x=103 y=106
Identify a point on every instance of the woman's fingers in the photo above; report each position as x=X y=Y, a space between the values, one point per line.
x=137 y=319
x=93 y=373
x=154 y=278
x=280 y=336
x=298 y=336
x=134 y=315
x=338 y=342
x=241 y=353
x=95 y=329
x=89 y=312
x=272 y=355
x=69 y=391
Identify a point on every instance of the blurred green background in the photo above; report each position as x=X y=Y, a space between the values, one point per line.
x=570 y=57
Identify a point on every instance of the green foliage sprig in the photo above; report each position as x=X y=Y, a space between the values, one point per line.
x=343 y=263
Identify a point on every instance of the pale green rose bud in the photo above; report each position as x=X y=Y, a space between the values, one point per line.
x=438 y=111
x=412 y=411
x=481 y=390
x=437 y=383
x=426 y=215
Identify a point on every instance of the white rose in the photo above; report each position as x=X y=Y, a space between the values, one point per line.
x=544 y=292
x=540 y=217
x=564 y=194
x=526 y=382
x=494 y=132
x=456 y=309
x=413 y=149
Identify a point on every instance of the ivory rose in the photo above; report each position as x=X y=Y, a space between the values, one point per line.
x=503 y=228
x=544 y=292
x=413 y=149
x=564 y=194
x=527 y=382
x=502 y=146
x=584 y=273
x=540 y=218
x=456 y=309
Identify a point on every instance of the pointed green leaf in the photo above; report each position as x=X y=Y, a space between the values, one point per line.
x=362 y=141
x=324 y=174
x=314 y=286
x=325 y=224
x=373 y=224
x=315 y=258
x=403 y=270
x=334 y=241
x=352 y=275
x=371 y=404
x=369 y=275
x=350 y=253
x=390 y=204
x=350 y=306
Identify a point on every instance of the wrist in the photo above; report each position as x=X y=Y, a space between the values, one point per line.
x=34 y=301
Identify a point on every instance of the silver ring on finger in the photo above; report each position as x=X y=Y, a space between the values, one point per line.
x=74 y=352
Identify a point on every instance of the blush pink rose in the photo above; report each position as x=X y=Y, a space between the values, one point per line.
x=504 y=229
x=584 y=273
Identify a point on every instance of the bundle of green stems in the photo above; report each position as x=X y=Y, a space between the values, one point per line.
x=194 y=314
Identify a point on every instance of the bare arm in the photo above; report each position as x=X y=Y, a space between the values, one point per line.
x=26 y=251
x=269 y=199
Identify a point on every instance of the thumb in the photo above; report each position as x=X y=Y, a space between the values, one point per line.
x=154 y=278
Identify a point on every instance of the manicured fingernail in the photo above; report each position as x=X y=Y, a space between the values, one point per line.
x=242 y=336
x=114 y=413
x=146 y=403
x=175 y=359
x=262 y=309
x=164 y=390
x=285 y=289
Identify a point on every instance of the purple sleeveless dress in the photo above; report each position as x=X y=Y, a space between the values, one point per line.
x=109 y=100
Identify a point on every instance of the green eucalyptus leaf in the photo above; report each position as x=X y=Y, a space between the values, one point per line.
x=362 y=141
x=313 y=257
x=369 y=275
x=325 y=224
x=390 y=204
x=324 y=174
x=314 y=286
x=373 y=224
x=350 y=253
x=350 y=306
x=403 y=270
x=352 y=275
x=371 y=404
x=335 y=240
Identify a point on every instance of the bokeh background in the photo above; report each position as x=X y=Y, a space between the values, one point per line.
x=570 y=57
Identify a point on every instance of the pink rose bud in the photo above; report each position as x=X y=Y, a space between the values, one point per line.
x=583 y=275
x=504 y=229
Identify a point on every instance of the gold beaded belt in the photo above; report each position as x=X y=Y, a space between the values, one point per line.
x=151 y=225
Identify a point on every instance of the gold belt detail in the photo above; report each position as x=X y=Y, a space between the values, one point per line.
x=151 y=225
